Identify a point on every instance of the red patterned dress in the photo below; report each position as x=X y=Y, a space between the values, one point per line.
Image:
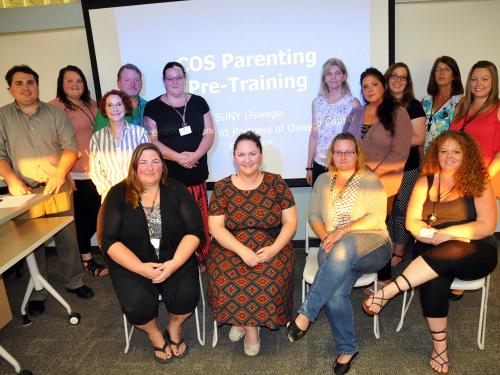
x=243 y=295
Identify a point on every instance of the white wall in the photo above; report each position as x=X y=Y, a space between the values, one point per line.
x=467 y=30
x=46 y=52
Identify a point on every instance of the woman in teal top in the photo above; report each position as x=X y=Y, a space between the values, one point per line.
x=445 y=91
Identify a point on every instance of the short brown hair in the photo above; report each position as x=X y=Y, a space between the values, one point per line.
x=133 y=186
x=125 y=100
x=129 y=67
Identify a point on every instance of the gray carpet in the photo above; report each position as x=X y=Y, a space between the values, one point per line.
x=95 y=346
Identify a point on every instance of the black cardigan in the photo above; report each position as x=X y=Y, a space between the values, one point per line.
x=123 y=223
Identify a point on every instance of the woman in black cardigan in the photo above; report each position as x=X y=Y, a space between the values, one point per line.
x=151 y=228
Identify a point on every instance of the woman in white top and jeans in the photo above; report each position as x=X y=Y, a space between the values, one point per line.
x=329 y=112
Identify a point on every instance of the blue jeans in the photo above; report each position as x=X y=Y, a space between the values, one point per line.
x=352 y=256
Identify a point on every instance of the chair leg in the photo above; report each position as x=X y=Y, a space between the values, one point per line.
x=303 y=290
x=201 y=335
x=376 y=324
x=481 y=330
x=404 y=308
x=10 y=359
x=128 y=335
x=215 y=335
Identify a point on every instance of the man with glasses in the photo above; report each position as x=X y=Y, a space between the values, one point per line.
x=129 y=80
x=37 y=150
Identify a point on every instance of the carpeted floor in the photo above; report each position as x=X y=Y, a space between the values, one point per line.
x=95 y=346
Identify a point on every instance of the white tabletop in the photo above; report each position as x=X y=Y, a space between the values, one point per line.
x=9 y=213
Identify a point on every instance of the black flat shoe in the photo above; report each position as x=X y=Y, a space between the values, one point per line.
x=294 y=333
x=82 y=292
x=36 y=308
x=343 y=368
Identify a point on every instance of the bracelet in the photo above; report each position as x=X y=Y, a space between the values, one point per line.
x=324 y=238
x=308 y=169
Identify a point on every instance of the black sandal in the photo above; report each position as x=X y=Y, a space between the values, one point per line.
x=95 y=269
x=293 y=332
x=162 y=350
x=379 y=301
x=442 y=362
x=177 y=345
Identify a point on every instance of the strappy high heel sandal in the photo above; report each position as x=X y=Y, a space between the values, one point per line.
x=95 y=269
x=382 y=301
x=438 y=358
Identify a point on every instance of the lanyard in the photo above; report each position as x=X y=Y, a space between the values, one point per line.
x=91 y=119
x=431 y=117
x=139 y=113
x=468 y=120
x=183 y=116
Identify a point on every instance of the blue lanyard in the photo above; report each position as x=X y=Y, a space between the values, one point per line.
x=139 y=112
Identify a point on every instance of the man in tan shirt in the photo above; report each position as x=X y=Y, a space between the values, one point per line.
x=37 y=150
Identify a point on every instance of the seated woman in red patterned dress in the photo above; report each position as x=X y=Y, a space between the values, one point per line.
x=252 y=219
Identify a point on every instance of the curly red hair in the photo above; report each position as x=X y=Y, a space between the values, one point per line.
x=472 y=177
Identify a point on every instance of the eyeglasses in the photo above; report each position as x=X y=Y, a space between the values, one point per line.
x=114 y=105
x=344 y=153
x=174 y=79
x=442 y=70
x=395 y=77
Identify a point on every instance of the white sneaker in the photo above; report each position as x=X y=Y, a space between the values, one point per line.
x=235 y=334
x=252 y=350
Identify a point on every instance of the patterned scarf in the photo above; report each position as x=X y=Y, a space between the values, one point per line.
x=342 y=202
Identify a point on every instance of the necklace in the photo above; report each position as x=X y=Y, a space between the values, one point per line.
x=432 y=218
x=341 y=192
x=154 y=200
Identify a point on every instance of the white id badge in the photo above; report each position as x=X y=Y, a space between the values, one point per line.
x=427 y=232
x=185 y=130
x=155 y=242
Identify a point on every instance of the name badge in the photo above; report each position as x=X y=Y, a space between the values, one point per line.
x=427 y=232
x=155 y=242
x=185 y=130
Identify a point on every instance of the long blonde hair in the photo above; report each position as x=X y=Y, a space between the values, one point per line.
x=492 y=99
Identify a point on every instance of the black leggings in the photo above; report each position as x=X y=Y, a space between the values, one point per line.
x=87 y=202
x=317 y=170
x=450 y=259
x=138 y=296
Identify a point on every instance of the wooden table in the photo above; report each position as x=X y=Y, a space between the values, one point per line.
x=7 y=214
x=19 y=238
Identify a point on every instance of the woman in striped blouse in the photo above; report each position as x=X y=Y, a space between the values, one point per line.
x=111 y=147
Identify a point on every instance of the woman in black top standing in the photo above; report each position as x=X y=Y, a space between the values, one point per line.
x=401 y=88
x=181 y=125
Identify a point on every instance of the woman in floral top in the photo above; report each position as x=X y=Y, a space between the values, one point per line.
x=445 y=91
